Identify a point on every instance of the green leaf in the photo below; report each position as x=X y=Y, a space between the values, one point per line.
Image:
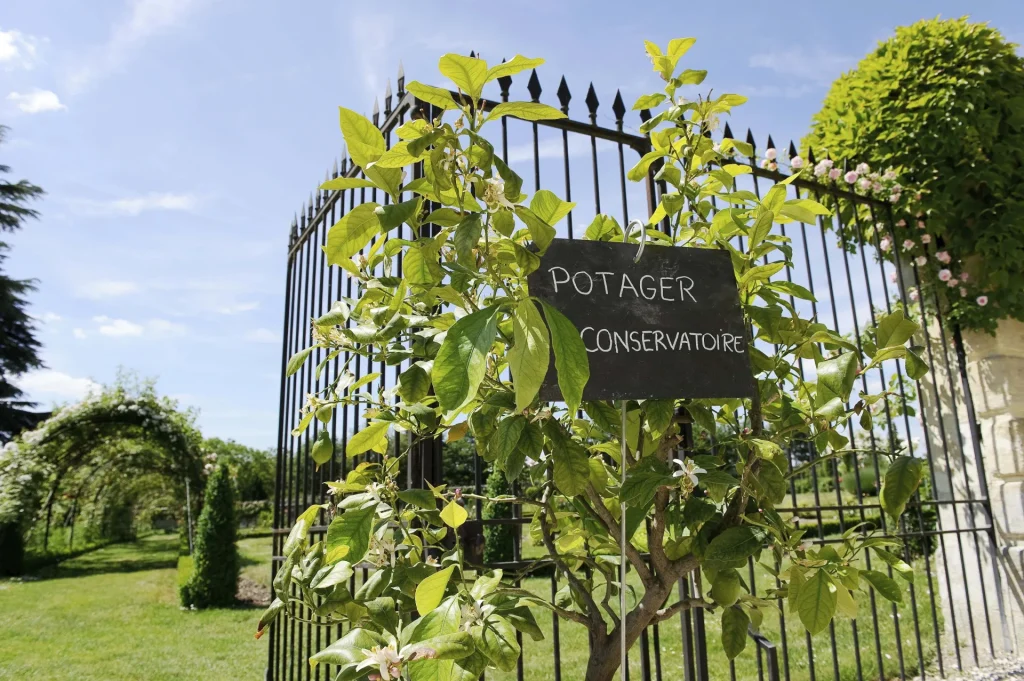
x=529 y=357
x=816 y=602
x=901 y=568
x=430 y=592
x=466 y=239
x=541 y=232
x=462 y=359
x=364 y=141
x=300 y=529
x=330 y=576
x=734 y=546
x=506 y=439
x=677 y=47
x=397 y=156
x=497 y=640
x=734 y=631
x=917 y=368
x=549 y=207
x=349 y=648
x=643 y=481
x=422 y=498
x=846 y=604
x=760 y=273
x=372 y=437
x=323 y=448
x=513 y=66
x=442 y=620
x=454 y=646
x=521 y=617
x=692 y=77
x=414 y=383
x=397 y=213
x=420 y=265
x=571 y=363
x=835 y=378
x=639 y=171
x=648 y=101
x=348 y=535
x=439 y=97
x=888 y=588
x=342 y=183
x=894 y=329
x=571 y=470
x=468 y=74
x=296 y=361
x=527 y=111
x=454 y=515
x=486 y=584
x=899 y=484
x=351 y=233
x=604 y=228
x=804 y=210
x=269 y=615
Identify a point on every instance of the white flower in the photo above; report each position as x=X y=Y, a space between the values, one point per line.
x=892 y=277
x=863 y=169
x=864 y=183
x=913 y=294
x=834 y=173
x=208 y=468
x=689 y=468
x=494 y=195
x=764 y=163
x=921 y=260
x=529 y=461
x=387 y=660
x=804 y=546
x=885 y=244
x=770 y=153
x=796 y=163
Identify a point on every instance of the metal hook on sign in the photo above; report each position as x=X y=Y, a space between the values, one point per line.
x=643 y=237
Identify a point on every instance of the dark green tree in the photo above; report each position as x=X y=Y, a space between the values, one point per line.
x=252 y=469
x=498 y=539
x=214 y=577
x=18 y=345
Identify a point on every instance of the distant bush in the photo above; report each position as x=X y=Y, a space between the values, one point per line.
x=498 y=539
x=214 y=577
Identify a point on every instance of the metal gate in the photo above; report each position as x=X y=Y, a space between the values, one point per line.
x=950 y=618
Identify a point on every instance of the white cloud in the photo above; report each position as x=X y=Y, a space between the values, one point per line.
x=36 y=101
x=56 y=385
x=17 y=50
x=117 y=327
x=78 y=333
x=236 y=308
x=98 y=290
x=135 y=205
x=370 y=35
x=49 y=317
x=554 y=147
x=145 y=20
x=785 y=92
x=819 y=66
x=153 y=328
x=262 y=336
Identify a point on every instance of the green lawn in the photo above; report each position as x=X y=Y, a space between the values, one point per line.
x=113 y=615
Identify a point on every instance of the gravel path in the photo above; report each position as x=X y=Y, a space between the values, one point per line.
x=997 y=670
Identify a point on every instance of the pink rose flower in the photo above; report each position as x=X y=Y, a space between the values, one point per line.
x=920 y=224
x=982 y=301
x=964 y=277
x=876 y=187
x=885 y=244
x=953 y=283
x=908 y=245
x=770 y=153
x=863 y=169
x=834 y=174
x=864 y=183
x=921 y=260
x=913 y=294
x=892 y=277
x=895 y=198
x=963 y=292
x=851 y=177
x=773 y=166
x=796 y=163
x=764 y=163
x=926 y=238
x=943 y=257
x=901 y=223
x=945 y=275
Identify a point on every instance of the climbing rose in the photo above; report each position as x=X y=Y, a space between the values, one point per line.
x=796 y=163
x=892 y=277
x=885 y=244
x=964 y=276
x=908 y=244
x=834 y=174
x=913 y=294
x=864 y=183
x=770 y=153
x=920 y=224
x=851 y=177
x=943 y=257
x=921 y=260
x=926 y=238
x=901 y=223
x=863 y=169
x=953 y=283
x=945 y=275
x=764 y=163
x=982 y=300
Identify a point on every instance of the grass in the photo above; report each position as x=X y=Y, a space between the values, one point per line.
x=114 y=614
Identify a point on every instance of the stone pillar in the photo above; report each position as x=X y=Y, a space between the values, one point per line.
x=979 y=571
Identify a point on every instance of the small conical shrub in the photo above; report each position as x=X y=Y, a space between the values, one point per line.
x=215 y=560
x=499 y=538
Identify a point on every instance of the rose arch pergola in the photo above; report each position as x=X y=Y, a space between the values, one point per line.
x=95 y=453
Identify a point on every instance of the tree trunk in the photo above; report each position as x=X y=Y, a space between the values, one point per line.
x=605 y=655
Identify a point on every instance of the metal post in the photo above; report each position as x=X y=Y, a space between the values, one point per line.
x=188 y=514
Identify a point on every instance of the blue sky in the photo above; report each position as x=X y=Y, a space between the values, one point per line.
x=176 y=138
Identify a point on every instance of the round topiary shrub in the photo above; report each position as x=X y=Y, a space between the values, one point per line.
x=941 y=103
x=215 y=573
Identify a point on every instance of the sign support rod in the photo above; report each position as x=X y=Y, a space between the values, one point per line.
x=622 y=547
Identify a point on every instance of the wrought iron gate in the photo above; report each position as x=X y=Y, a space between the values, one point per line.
x=951 y=619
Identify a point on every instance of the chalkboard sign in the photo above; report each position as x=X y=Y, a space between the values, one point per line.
x=669 y=326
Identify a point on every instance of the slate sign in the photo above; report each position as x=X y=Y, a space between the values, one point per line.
x=669 y=326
